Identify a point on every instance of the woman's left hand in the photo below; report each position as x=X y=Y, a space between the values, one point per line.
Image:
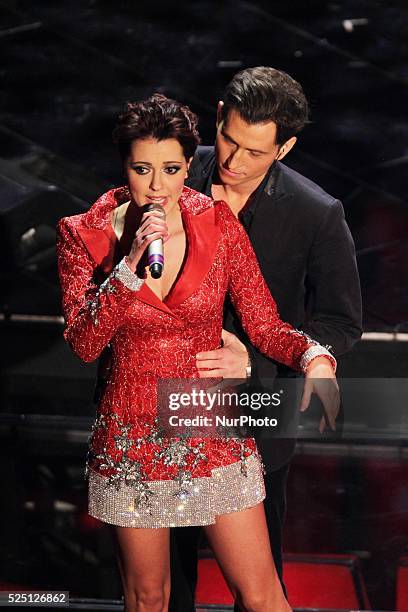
x=321 y=379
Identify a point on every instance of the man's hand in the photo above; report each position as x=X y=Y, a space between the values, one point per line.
x=227 y=362
x=320 y=379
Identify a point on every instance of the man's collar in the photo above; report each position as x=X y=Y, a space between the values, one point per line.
x=203 y=167
x=275 y=183
x=272 y=185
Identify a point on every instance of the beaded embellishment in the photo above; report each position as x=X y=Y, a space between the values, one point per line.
x=120 y=272
x=175 y=452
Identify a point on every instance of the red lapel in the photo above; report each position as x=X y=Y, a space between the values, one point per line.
x=202 y=239
x=100 y=244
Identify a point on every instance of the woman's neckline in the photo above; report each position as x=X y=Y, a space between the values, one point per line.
x=123 y=248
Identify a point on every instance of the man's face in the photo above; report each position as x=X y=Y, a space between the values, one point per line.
x=244 y=151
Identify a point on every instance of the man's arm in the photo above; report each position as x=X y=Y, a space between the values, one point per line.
x=333 y=305
x=333 y=315
x=333 y=310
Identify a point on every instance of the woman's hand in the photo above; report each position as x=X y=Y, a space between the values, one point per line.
x=320 y=379
x=153 y=226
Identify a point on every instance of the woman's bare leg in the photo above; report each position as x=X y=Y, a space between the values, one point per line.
x=144 y=563
x=241 y=545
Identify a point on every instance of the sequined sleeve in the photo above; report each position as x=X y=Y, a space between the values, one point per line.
x=92 y=312
x=256 y=307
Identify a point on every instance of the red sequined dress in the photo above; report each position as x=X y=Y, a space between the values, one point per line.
x=137 y=477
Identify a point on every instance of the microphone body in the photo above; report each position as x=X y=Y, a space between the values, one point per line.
x=155 y=257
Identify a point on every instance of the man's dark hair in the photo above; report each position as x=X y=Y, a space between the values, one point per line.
x=266 y=94
x=157 y=117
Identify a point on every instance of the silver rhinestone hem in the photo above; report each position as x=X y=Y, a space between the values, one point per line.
x=227 y=490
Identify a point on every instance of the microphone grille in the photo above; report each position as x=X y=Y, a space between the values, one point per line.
x=157 y=207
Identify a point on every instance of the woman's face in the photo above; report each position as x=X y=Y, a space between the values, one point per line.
x=156 y=170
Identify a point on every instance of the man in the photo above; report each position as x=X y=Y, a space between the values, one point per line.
x=305 y=252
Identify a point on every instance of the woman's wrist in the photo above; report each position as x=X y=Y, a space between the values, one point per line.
x=130 y=265
x=318 y=355
x=127 y=276
x=319 y=364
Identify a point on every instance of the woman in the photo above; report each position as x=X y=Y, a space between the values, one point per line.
x=140 y=481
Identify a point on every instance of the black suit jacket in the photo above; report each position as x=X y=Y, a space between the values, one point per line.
x=307 y=257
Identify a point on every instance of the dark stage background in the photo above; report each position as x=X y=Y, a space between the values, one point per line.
x=66 y=70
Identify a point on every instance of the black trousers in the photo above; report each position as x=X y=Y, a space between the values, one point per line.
x=184 y=543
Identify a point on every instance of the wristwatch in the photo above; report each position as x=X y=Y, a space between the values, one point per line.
x=248 y=368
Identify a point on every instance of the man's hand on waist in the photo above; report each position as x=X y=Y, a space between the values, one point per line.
x=229 y=361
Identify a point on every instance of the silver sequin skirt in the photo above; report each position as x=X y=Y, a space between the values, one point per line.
x=227 y=490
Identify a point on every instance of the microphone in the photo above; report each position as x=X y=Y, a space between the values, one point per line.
x=155 y=258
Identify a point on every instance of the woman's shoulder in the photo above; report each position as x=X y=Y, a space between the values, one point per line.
x=98 y=215
x=196 y=203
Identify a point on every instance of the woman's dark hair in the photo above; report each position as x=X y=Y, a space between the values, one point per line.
x=157 y=117
x=266 y=94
